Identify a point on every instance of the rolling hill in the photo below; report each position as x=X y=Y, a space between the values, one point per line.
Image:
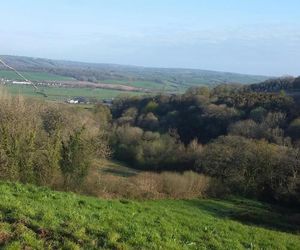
x=152 y=78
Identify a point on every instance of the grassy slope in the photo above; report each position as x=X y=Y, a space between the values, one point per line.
x=40 y=218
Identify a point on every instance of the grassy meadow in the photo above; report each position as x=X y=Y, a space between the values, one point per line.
x=63 y=93
x=144 y=84
x=37 y=218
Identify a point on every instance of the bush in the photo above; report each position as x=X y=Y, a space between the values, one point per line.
x=150 y=185
x=186 y=185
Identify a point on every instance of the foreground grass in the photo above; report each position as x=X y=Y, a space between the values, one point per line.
x=37 y=218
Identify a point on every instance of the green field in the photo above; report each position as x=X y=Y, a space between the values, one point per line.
x=37 y=218
x=63 y=93
x=143 y=84
x=44 y=76
x=33 y=76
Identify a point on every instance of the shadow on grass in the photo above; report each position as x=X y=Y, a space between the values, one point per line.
x=252 y=213
x=118 y=169
x=119 y=172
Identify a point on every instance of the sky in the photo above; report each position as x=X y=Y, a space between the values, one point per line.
x=243 y=36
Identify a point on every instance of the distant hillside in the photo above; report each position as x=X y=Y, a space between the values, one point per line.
x=113 y=73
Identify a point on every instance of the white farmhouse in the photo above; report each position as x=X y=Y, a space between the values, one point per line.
x=72 y=101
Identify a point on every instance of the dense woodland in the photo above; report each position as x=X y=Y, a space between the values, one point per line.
x=288 y=83
x=247 y=142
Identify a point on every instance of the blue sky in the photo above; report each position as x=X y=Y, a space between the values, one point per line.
x=246 y=36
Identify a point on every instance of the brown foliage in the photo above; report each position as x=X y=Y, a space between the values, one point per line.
x=149 y=185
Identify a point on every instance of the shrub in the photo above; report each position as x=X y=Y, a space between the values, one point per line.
x=150 y=185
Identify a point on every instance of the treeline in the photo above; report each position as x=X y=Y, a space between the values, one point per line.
x=205 y=114
x=47 y=144
x=288 y=83
x=248 y=140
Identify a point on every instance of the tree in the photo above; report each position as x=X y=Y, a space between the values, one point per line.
x=102 y=115
x=253 y=167
x=148 y=121
x=151 y=106
x=258 y=114
x=75 y=159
